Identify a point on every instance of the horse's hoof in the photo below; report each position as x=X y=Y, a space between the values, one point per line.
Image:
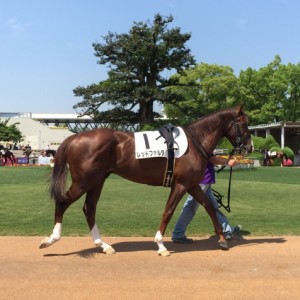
x=223 y=244
x=44 y=243
x=164 y=253
x=109 y=250
x=48 y=241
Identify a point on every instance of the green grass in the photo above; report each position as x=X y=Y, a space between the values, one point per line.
x=264 y=200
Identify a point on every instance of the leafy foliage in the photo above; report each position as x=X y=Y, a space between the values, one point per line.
x=9 y=132
x=258 y=142
x=286 y=150
x=272 y=93
x=224 y=144
x=139 y=60
x=211 y=88
x=270 y=142
x=289 y=152
x=261 y=143
x=136 y=61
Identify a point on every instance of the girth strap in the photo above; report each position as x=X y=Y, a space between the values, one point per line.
x=166 y=132
x=170 y=168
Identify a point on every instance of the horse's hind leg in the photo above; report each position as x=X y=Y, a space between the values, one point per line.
x=89 y=210
x=73 y=194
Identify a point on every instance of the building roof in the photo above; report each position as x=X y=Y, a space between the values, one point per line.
x=276 y=125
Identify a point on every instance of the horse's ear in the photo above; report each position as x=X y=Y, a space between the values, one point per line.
x=240 y=112
x=239 y=109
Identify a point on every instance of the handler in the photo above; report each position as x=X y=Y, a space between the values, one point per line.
x=191 y=205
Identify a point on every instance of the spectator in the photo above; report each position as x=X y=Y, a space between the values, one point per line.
x=191 y=205
x=43 y=159
x=286 y=162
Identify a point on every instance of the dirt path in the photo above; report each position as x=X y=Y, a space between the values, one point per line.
x=254 y=268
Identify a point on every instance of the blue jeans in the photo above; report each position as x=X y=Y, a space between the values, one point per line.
x=189 y=210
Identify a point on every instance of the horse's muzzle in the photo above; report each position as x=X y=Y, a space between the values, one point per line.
x=249 y=149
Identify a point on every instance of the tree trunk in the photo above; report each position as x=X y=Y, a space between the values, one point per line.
x=146 y=112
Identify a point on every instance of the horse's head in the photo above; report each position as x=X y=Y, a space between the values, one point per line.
x=238 y=132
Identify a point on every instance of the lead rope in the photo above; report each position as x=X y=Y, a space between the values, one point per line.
x=218 y=196
x=239 y=144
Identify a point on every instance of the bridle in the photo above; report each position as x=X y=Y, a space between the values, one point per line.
x=239 y=140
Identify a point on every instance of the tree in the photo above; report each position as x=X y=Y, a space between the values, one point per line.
x=137 y=61
x=271 y=93
x=291 y=105
x=9 y=133
x=211 y=88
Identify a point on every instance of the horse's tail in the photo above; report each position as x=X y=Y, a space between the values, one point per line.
x=60 y=172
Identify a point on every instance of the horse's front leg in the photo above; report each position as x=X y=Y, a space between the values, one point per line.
x=89 y=210
x=197 y=193
x=176 y=194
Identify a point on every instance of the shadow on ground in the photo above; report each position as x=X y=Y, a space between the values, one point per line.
x=204 y=244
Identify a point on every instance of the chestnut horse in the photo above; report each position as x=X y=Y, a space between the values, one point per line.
x=92 y=156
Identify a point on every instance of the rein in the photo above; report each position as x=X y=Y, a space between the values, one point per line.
x=198 y=145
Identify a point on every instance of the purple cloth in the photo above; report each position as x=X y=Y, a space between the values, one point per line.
x=209 y=175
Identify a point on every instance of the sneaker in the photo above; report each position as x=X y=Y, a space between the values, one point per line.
x=236 y=229
x=228 y=237
x=182 y=240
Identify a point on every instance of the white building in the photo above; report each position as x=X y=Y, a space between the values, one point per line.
x=36 y=134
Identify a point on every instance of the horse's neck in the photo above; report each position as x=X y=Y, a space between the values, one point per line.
x=208 y=135
x=211 y=140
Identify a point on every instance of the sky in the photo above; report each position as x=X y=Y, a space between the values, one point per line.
x=46 y=46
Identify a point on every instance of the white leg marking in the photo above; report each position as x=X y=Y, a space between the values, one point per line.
x=162 y=250
x=56 y=234
x=98 y=241
x=54 y=237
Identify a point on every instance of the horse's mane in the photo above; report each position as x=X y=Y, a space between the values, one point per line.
x=205 y=125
